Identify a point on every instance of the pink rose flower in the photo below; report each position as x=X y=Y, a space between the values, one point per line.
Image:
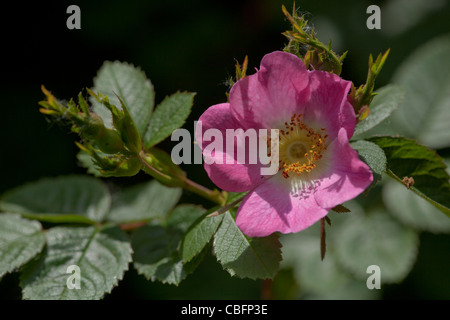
x=318 y=169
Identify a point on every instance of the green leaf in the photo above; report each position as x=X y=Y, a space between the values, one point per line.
x=156 y=254
x=129 y=83
x=102 y=254
x=20 y=241
x=373 y=156
x=351 y=289
x=202 y=230
x=413 y=210
x=254 y=258
x=425 y=76
x=325 y=279
x=387 y=101
x=199 y=235
x=376 y=239
x=86 y=161
x=184 y=215
x=406 y=158
x=301 y=251
x=169 y=115
x=149 y=200
x=69 y=199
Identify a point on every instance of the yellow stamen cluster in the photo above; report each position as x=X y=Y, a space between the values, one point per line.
x=300 y=146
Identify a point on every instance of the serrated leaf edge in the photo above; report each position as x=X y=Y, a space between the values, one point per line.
x=31 y=257
x=230 y=271
x=149 y=145
x=113 y=285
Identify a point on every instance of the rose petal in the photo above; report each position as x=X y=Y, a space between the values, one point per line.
x=272 y=207
x=328 y=106
x=230 y=177
x=347 y=178
x=271 y=96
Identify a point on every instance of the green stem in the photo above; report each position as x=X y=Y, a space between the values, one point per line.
x=226 y=208
x=418 y=192
x=158 y=175
x=300 y=35
x=212 y=195
x=177 y=180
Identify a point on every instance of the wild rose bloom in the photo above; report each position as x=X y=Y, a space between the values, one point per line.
x=318 y=168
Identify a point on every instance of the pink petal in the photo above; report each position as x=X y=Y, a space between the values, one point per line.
x=328 y=106
x=271 y=96
x=271 y=207
x=348 y=177
x=230 y=177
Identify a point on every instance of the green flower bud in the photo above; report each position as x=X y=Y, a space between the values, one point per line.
x=127 y=168
x=92 y=127
x=130 y=133
x=109 y=141
x=94 y=130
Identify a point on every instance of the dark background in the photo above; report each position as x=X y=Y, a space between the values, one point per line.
x=185 y=45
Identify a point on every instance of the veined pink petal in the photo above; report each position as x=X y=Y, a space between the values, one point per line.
x=348 y=177
x=230 y=177
x=328 y=106
x=272 y=95
x=272 y=207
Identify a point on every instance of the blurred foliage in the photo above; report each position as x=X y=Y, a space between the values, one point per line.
x=191 y=45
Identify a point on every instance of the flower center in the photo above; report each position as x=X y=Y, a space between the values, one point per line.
x=300 y=146
x=296 y=151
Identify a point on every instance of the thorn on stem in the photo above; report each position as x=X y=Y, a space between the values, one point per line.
x=408 y=182
x=323 y=245
x=328 y=220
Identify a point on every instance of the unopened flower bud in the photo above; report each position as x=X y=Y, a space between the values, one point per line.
x=94 y=130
